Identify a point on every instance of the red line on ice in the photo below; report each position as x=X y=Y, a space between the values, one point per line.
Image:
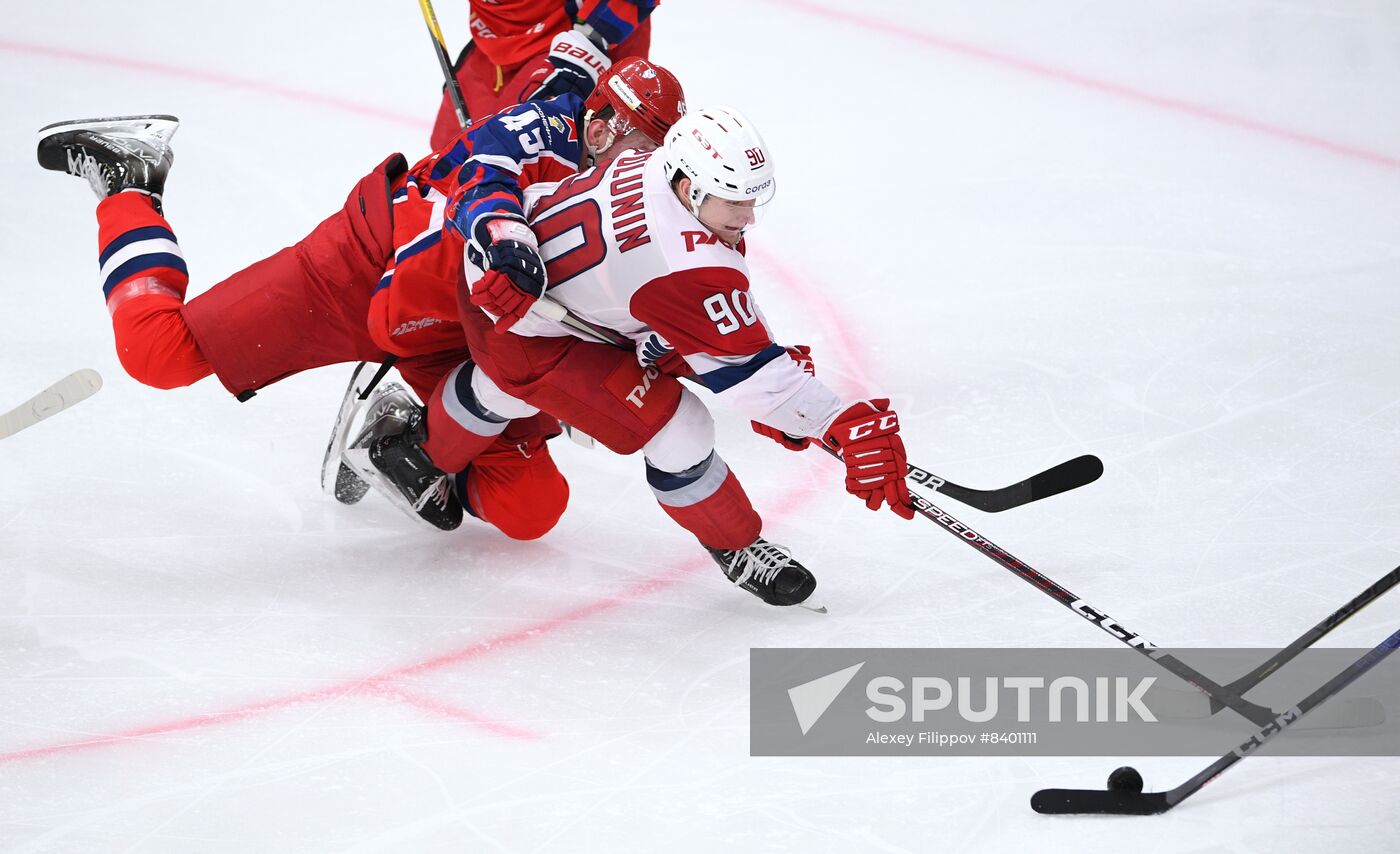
x=383 y=684
x=1201 y=111
x=447 y=710
x=838 y=330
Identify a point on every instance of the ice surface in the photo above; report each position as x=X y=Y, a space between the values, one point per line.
x=1163 y=232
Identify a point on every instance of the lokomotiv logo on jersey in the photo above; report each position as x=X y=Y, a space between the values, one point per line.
x=698 y=238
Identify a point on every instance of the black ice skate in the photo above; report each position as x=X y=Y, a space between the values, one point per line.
x=387 y=412
x=396 y=465
x=769 y=572
x=113 y=154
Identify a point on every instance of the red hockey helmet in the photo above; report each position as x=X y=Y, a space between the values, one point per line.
x=642 y=95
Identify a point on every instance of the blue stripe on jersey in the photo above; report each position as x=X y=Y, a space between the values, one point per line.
x=451 y=159
x=150 y=232
x=143 y=262
x=415 y=248
x=383 y=283
x=731 y=375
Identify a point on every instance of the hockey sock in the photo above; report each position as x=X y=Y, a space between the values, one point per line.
x=708 y=501
x=144 y=279
x=139 y=255
x=459 y=427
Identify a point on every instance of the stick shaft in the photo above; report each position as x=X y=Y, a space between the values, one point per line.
x=454 y=91
x=1316 y=633
x=1124 y=635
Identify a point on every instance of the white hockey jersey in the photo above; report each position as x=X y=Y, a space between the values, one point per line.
x=624 y=253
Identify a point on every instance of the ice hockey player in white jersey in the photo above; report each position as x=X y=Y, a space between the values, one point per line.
x=651 y=245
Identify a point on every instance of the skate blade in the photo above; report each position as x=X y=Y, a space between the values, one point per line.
x=350 y=408
x=350 y=488
x=158 y=125
x=815 y=608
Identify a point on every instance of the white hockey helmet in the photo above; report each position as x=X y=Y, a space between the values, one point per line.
x=722 y=154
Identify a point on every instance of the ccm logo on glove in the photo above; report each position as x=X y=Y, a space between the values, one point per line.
x=887 y=423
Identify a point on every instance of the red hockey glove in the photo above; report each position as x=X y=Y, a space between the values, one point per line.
x=497 y=293
x=802 y=355
x=507 y=247
x=867 y=435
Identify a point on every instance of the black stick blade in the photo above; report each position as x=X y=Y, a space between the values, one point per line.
x=1100 y=801
x=1070 y=474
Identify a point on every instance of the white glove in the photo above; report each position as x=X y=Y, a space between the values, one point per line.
x=578 y=63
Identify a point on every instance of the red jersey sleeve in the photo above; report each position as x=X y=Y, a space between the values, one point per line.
x=705 y=310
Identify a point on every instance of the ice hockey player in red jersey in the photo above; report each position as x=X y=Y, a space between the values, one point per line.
x=651 y=246
x=358 y=287
x=524 y=50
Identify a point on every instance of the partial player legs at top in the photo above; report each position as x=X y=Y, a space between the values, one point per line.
x=488 y=87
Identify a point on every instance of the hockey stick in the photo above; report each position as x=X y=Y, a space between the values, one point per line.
x=1120 y=802
x=77 y=386
x=1362 y=712
x=1070 y=474
x=454 y=91
x=1252 y=711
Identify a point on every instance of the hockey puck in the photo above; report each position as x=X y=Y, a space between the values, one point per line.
x=1125 y=779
